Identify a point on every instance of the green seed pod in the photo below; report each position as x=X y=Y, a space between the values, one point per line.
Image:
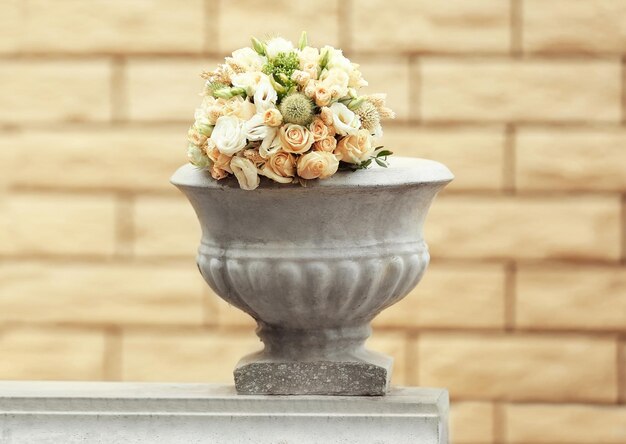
x=297 y=108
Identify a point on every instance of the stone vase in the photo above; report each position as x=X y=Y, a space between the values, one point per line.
x=313 y=266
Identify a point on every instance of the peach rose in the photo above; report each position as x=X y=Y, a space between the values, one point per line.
x=317 y=164
x=323 y=95
x=326 y=114
x=272 y=117
x=328 y=144
x=355 y=148
x=280 y=167
x=318 y=129
x=218 y=173
x=295 y=138
x=221 y=162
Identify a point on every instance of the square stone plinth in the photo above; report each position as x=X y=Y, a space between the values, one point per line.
x=107 y=413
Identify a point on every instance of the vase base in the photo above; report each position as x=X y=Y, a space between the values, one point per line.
x=323 y=377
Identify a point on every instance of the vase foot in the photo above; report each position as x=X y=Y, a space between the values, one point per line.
x=365 y=375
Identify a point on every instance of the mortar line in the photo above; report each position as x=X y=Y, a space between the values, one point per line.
x=415 y=89
x=499 y=423
x=210 y=25
x=124 y=225
x=344 y=25
x=509 y=160
x=516 y=24
x=510 y=296
x=119 y=103
x=112 y=362
x=623 y=89
x=621 y=369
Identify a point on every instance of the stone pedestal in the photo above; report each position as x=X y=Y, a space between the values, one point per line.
x=79 y=412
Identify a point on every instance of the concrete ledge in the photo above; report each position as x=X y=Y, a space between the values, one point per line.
x=112 y=412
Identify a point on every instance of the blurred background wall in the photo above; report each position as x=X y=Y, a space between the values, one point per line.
x=522 y=314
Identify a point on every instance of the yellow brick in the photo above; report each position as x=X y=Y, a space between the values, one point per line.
x=54 y=91
x=451 y=296
x=565 y=424
x=580 y=227
x=571 y=160
x=475 y=156
x=111 y=26
x=51 y=354
x=57 y=224
x=184 y=357
x=95 y=293
x=138 y=159
x=471 y=422
x=572 y=298
x=165 y=89
x=519 y=368
x=228 y=315
x=428 y=26
x=164 y=226
x=394 y=345
x=581 y=26
x=287 y=18
x=10 y=14
x=528 y=90
x=390 y=75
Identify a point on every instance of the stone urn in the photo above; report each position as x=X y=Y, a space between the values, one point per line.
x=313 y=266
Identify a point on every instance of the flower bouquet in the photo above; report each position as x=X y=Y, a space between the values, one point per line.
x=288 y=113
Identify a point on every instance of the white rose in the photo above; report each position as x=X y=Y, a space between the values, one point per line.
x=344 y=120
x=265 y=97
x=229 y=135
x=256 y=129
x=246 y=173
x=277 y=45
x=271 y=144
x=308 y=56
x=336 y=59
x=249 y=81
x=249 y=59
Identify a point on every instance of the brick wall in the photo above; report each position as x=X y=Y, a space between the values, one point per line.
x=522 y=314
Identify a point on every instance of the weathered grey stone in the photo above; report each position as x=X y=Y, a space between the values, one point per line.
x=314 y=265
x=145 y=413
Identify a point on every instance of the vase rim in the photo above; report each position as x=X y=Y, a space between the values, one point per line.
x=402 y=171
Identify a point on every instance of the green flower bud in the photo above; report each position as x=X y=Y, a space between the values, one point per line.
x=197 y=157
x=205 y=130
x=258 y=46
x=238 y=92
x=283 y=78
x=325 y=58
x=356 y=103
x=303 y=41
x=280 y=89
x=223 y=93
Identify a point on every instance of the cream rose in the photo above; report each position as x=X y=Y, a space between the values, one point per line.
x=281 y=167
x=239 y=107
x=328 y=144
x=256 y=129
x=345 y=121
x=295 y=138
x=318 y=129
x=317 y=164
x=245 y=172
x=272 y=117
x=355 y=148
x=326 y=115
x=249 y=81
x=229 y=135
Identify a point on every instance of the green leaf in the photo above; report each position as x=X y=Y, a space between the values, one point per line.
x=381 y=163
x=384 y=153
x=303 y=41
